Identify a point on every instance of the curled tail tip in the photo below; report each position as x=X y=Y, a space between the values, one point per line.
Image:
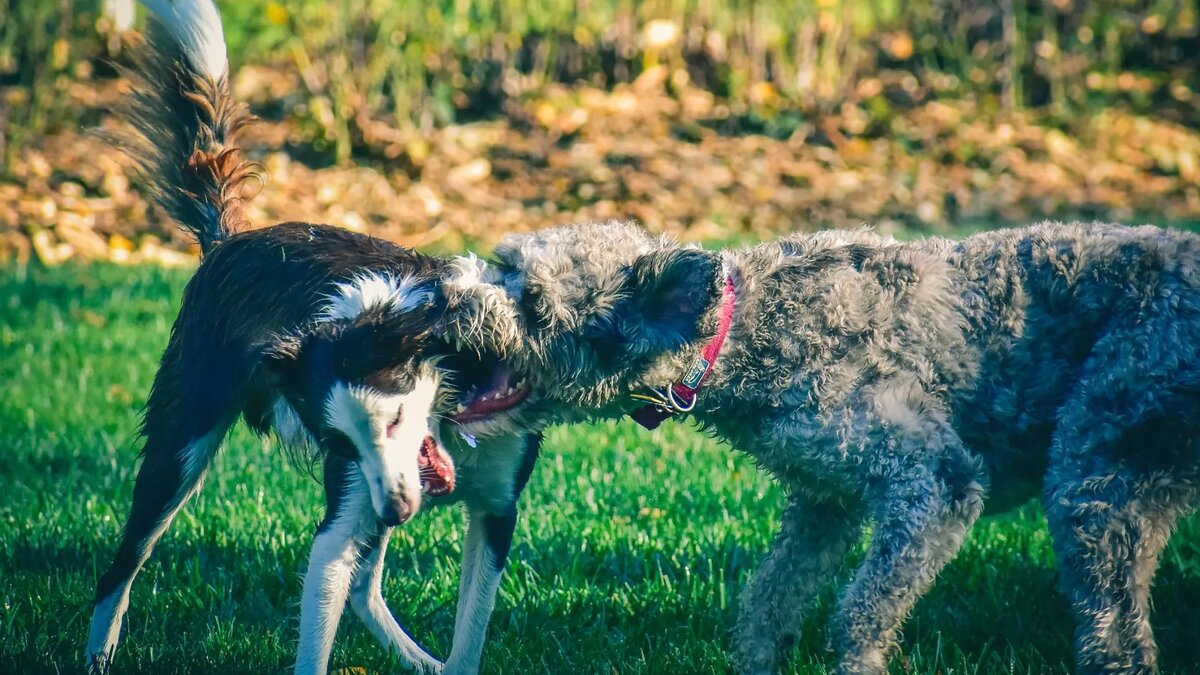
x=185 y=121
x=196 y=26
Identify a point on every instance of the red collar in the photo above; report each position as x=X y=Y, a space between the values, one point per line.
x=680 y=397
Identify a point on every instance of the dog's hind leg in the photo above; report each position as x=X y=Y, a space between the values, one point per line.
x=921 y=516
x=174 y=464
x=491 y=520
x=813 y=539
x=366 y=599
x=1109 y=524
x=1123 y=469
x=350 y=529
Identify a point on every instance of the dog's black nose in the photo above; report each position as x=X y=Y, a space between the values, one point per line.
x=396 y=509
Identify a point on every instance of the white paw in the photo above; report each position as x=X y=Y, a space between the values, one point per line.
x=430 y=667
x=96 y=663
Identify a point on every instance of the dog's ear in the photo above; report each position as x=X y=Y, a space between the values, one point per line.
x=667 y=292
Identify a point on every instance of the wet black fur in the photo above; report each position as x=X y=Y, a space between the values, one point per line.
x=246 y=334
x=251 y=328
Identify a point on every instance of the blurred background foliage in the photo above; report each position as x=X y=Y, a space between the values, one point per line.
x=448 y=123
x=415 y=65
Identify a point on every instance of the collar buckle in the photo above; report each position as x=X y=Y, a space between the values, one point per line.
x=680 y=397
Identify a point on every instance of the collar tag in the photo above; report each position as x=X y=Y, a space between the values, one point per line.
x=696 y=374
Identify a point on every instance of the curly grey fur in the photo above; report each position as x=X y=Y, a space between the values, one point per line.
x=897 y=384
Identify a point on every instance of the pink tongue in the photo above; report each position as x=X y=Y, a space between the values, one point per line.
x=489 y=406
x=437 y=470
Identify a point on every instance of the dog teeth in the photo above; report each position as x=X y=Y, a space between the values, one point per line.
x=460 y=409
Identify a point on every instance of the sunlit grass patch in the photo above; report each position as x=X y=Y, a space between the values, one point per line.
x=630 y=552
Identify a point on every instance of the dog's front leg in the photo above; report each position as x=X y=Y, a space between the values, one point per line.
x=366 y=598
x=485 y=552
x=813 y=539
x=349 y=524
x=490 y=524
x=921 y=517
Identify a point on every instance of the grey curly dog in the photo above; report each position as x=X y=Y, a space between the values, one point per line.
x=904 y=385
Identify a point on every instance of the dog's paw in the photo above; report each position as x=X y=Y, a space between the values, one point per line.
x=433 y=667
x=96 y=664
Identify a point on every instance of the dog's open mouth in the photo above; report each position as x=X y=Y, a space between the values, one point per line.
x=488 y=389
x=436 y=468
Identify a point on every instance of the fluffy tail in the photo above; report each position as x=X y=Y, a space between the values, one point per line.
x=185 y=120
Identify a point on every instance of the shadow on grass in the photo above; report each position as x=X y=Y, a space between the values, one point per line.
x=562 y=598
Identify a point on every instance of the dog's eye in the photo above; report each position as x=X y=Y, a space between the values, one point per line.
x=394 y=424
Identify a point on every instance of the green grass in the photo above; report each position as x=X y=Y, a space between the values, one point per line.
x=630 y=552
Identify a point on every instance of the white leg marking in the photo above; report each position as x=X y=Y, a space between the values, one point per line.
x=366 y=598
x=105 y=630
x=197 y=457
x=476 y=599
x=330 y=567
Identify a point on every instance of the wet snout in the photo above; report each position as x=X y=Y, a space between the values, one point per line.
x=397 y=508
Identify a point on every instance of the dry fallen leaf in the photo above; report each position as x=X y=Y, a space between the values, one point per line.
x=677 y=162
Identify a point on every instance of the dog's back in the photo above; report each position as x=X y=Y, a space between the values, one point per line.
x=901 y=383
x=927 y=379
x=1005 y=327
x=1065 y=313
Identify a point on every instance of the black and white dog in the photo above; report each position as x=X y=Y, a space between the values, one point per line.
x=325 y=336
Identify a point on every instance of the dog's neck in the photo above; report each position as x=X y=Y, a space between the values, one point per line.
x=691 y=366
